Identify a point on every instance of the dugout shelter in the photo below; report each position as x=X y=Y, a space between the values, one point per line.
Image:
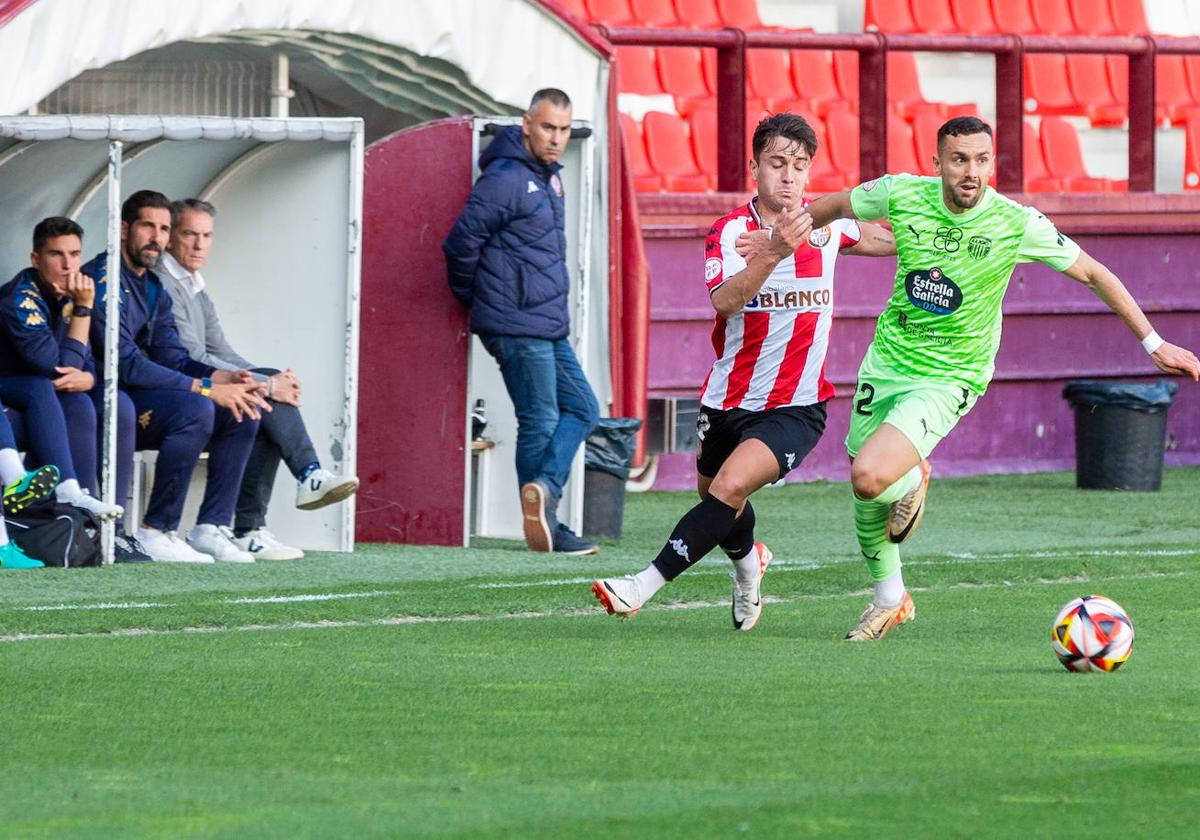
x=285 y=265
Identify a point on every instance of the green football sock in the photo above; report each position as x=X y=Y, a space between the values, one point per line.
x=870 y=526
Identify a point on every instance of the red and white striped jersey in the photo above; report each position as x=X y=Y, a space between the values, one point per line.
x=772 y=353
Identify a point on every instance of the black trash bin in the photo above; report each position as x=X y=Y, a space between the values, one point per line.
x=1120 y=433
x=606 y=460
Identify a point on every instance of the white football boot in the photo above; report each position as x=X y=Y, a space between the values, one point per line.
x=747 y=597
x=100 y=511
x=263 y=545
x=321 y=488
x=877 y=622
x=217 y=541
x=620 y=596
x=166 y=547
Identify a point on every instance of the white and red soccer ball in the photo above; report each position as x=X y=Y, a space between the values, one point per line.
x=1092 y=633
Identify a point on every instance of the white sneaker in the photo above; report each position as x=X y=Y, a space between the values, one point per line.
x=620 y=596
x=218 y=541
x=262 y=545
x=747 y=597
x=166 y=547
x=99 y=510
x=323 y=488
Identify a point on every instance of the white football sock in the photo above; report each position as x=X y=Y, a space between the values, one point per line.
x=649 y=581
x=747 y=567
x=890 y=590
x=68 y=491
x=11 y=468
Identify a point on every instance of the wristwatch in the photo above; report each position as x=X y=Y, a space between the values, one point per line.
x=81 y=311
x=205 y=387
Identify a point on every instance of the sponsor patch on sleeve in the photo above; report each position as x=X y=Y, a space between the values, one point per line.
x=712 y=269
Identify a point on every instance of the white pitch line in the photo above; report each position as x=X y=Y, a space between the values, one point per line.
x=325 y=596
x=101 y=606
x=400 y=620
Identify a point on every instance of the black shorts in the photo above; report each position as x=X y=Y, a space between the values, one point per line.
x=789 y=432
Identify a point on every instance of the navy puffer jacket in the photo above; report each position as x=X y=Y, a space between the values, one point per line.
x=507 y=253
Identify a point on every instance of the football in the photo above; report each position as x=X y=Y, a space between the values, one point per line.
x=1092 y=633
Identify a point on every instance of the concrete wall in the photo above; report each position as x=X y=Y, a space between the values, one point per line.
x=1054 y=331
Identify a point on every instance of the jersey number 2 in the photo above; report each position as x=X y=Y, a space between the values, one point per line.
x=868 y=392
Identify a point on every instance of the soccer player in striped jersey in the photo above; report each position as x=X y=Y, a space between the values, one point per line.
x=935 y=342
x=763 y=403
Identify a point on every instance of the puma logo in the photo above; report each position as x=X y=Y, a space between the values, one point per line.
x=925 y=426
x=680 y=548
x=915 y=233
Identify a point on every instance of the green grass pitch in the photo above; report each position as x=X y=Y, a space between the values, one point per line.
x=422 y=692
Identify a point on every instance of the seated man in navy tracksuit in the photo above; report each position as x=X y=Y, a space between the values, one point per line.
x=182 y=407
x=507 y=259
x=46 y=368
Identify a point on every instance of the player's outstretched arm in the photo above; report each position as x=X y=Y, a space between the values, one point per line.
x=762 y=250
x=875 y=241
x=1108 y=287
x=829 y=207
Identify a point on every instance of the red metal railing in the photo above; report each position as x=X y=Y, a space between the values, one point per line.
x=872 y=49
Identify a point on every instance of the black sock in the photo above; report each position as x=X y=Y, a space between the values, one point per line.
x=740 y=539
x=697 y=533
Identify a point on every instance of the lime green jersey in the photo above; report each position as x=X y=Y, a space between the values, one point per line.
x=952 y=269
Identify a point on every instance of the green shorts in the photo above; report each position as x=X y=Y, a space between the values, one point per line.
x=925 y=410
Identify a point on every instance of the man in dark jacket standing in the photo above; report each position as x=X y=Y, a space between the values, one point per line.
x=507 y=261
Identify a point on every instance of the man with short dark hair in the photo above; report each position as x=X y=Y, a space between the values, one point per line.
x=935 y=343
x=507 y=261
x=182 y=406
x=282 y=435
x=762 y=406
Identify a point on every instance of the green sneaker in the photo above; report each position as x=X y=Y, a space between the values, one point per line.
x=35 y=487
x=12 y=557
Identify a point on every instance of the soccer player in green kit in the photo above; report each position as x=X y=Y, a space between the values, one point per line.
x=933 y=355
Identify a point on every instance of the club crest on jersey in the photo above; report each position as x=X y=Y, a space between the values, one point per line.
x=933 y=291
x=712 y=269
x=556 y=184
x=820 y=238
x=979 y=246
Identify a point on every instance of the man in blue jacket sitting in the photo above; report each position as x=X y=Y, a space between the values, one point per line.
x=507 y=261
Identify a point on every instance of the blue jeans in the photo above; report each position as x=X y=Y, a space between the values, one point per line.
x=556 y=409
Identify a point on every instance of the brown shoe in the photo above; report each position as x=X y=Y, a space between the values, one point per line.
x=907 y=513
x=877 y=622
x=534 y=519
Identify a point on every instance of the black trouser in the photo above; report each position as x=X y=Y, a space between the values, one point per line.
x=281 y=437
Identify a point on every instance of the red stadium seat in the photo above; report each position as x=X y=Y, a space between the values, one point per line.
x=638 y=71
x=813 y=78
x=1171 y=90
x=1047 y=88
x=845 y=65
x=768 y=76
x=933 y=17
x=670 y=153
x=681 y=71
x=1191 y=67
x=904 y=90
x=698 y=14
x=610 y=12
x=1191 y=156
x=1118 y=82
x=1093 y=17
x=654 y=13
x=1013 y=17
x=740 y=14
x=925 y=129
x=1053 y=17
x=575 y=7
x=1064 y=159
x=901 y=154
x=1088 y=78
x=644 y=179
x=823 y=175
x=974 y=16
x=1037 y=179
x=702 y=126
x=841 y=127
x=1128 y=17
x=894 y=16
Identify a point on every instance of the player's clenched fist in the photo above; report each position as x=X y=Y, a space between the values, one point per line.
x=80 y=289
x=790 y=231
